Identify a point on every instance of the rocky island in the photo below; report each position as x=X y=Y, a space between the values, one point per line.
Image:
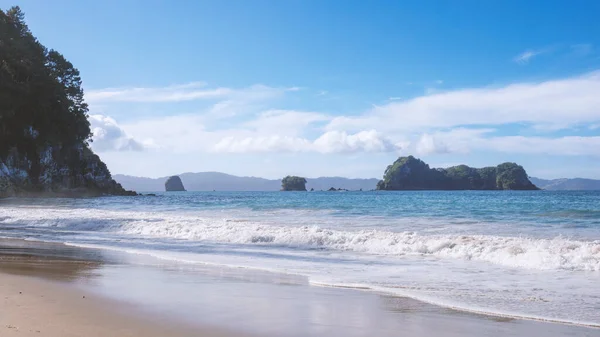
x=293 y=183
x=410 y=173
x=174 y=184
x=44 y=127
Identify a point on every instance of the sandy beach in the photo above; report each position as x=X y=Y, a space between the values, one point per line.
x=48 y=290
x=39 y=299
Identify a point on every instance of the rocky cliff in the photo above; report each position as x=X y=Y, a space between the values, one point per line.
x=174 y=184
x=75 y=172
x=410 y=173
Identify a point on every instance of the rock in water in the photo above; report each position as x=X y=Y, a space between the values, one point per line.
x=174 y=184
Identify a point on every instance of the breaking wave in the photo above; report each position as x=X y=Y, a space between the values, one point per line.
x=517 y=252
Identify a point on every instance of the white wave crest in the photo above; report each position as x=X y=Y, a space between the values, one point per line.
x=517 y=252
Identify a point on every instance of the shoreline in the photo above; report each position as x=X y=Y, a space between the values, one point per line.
x=73 y=273
x=473 y=311
x=386 y=291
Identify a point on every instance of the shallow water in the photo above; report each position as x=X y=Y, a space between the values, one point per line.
x=530 y=254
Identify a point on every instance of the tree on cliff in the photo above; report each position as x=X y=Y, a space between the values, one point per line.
x=293 y=183
x=510 y=176
x=40 y=91
x=44 y=129
x=410 y=173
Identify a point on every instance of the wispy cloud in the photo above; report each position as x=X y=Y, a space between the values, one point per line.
x=179 y=93
x=566 y=102
x=527 y=55
x=322 y=93
x=582 y=49
x=594 y=126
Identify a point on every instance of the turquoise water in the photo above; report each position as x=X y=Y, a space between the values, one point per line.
x=529 y=254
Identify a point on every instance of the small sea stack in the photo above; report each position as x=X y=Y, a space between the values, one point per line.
x=174 y=184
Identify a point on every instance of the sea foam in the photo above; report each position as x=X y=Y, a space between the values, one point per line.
x=518 y=252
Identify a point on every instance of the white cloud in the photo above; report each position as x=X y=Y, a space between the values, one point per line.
x=186 y=92
x=460 y=121
x=468 y=140
x=427 y=144
x=329 y=142
x=565 y=102
x=274 y=143
x=458 y=140
x=196 y=132
x=109 y=136
x=364 y=141
x=568 y=146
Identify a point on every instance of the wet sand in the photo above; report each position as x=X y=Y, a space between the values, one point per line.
x=39 y=298
x=34 y=307
x=42 y=288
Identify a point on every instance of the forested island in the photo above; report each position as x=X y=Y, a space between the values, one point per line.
x=44 y=127
x=410 y=173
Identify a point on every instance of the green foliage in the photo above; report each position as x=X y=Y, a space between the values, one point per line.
x=41 y=99
x=511 y=176
x=44 y=130
x=293 y=183
x=410 y=173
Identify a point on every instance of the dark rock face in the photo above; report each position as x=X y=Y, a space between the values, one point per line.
x=410 y=173
x=293 y=183
x=70 y=172
x=174 y=184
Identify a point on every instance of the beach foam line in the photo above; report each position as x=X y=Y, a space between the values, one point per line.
x=450 y=305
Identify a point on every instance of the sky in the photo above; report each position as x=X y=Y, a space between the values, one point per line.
x=333 y=88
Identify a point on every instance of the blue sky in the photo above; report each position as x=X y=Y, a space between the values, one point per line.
x=315 y=88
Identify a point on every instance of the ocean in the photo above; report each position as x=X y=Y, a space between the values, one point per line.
x=532 y=254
